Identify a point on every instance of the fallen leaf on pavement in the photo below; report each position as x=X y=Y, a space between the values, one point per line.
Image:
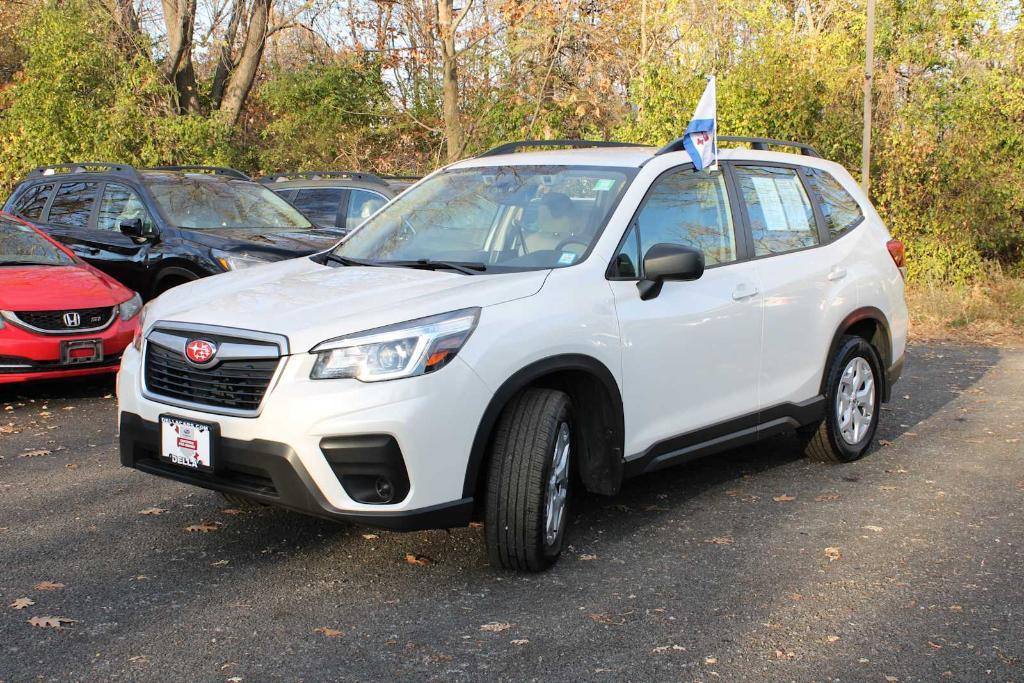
x=496 y=626
x=418 y=560
x=667 y=648
x=152 y=511
x=370 y=537
x=783 y=653
x=605 y=619
x=587 y=557
x=711 y=661
x=520 y=641
x=833 y=554
x=71 y=465
x=827 y=497
x=831 y=639
x=50 y=622
x=872 y=527
x=934 y=646
x=884 y=442
x=139 y=659
x=784 y=498
x=896 y=470
x=329 y=632
x=34 y=453
x=219 y=563
x=720 y=540
x=22 y=603
x=204 y=527
x=48 y=586
x=231 y=511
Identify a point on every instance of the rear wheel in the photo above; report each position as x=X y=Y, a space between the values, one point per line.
x=853 y=393
x=528 y=485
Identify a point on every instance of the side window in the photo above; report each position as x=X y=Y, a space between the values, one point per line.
x=692 y=209
x=72 y=205
x=841 y=210
x=121 y=203
x=627 y=261
x=31 y=204
x=319 y=204
x=781 y=217
x=362 y=205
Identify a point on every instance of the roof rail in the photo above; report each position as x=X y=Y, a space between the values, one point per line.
x=510 y=147
x=212 y=170
x=321 y=175
x=84 y=167
x=755 y=143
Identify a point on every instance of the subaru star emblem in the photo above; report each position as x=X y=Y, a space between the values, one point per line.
x=200 y=351
x=72 y=319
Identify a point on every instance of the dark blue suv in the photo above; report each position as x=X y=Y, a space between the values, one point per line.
x=154 y=228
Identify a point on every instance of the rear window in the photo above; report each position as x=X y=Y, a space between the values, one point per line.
x=73 y=205
x=841 y=210
x=32 y=201
x=20 y=245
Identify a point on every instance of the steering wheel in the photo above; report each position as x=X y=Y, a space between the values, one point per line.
x=572 y=239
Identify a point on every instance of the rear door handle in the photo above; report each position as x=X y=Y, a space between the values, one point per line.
x=743 y=291
x=836 y=273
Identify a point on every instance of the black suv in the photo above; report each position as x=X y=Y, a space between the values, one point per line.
x=337 y=199
x=154 y=228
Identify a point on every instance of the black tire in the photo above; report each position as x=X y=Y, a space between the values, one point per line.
x=823 y=442
x=241 y=502
x=520 y=465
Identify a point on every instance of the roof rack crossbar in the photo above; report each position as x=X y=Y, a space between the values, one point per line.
x=84 y=167
x=214 y=170
x=321 y=175
x=510 y=147
x=755 y=143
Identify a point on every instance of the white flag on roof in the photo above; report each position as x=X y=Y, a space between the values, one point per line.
x=701 y=137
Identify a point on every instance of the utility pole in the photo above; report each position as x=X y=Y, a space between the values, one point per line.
x=869 y=74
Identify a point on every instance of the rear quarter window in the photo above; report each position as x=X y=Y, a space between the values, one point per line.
x=842 y=212
x=32 y=201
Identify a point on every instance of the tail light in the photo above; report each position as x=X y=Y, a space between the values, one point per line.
x=899 y=255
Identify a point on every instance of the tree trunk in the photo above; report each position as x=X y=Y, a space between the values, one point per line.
x=450 y=81
x=226 y=61
x=180 y=20
x=244 y=74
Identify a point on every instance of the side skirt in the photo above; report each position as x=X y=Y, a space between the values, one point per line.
x=740 y=431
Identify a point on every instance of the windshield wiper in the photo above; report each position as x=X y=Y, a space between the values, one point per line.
x=346 y=261
x=464 y=267
x=26 y=263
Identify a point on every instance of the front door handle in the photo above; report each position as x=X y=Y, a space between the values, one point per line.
x=744 y=291
x=836 y=274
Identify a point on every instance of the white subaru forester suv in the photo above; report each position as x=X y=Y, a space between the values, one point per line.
x=519 y=326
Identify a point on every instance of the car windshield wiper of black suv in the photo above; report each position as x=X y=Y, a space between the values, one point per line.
x=464 y=267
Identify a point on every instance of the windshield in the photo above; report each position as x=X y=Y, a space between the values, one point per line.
x=21 y=245
x=207 y=203
x=502 y=217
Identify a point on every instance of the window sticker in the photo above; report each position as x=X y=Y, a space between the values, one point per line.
x=567 y=258
x=603 y=185
x=781 y=204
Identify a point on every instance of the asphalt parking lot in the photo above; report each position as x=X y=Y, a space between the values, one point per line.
x=755 y=565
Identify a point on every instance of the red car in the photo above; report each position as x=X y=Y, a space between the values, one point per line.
x=59 y=317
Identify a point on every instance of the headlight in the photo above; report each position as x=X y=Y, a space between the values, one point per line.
x=129 y=309
x=140 y=330
x=404 y=350
x=239 y=260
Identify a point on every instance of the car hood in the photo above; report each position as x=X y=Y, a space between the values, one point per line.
x=310 y=303
x=283 y=242
x=49 y=288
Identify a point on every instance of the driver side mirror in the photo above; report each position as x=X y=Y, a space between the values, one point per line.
x=669 y=262
x=133 y=227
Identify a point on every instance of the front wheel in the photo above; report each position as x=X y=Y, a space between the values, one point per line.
x=853 y=393
x=528 y=484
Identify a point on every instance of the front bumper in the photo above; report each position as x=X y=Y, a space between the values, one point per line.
x=272 y=473
x=39 y=354
x=302 y=441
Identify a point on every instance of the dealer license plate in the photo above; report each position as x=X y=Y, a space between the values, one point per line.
x=186 y=443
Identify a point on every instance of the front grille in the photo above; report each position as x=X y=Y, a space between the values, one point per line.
x=53 y=321
x=232 y=384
